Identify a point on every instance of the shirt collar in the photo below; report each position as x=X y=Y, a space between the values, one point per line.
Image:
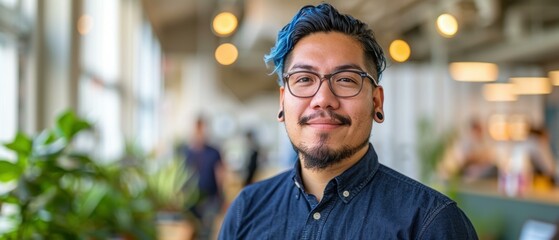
x=352 y=181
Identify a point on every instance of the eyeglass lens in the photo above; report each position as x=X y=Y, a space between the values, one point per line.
x=342 y=84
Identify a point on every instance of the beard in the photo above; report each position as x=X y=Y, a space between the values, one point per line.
x=321 y=156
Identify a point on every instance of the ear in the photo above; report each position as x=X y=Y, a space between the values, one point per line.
x=281 y=115
x=378 y=101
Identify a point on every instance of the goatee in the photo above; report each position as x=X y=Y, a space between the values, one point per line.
x=321 y=156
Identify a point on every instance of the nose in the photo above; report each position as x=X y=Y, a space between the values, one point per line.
x=325 y=98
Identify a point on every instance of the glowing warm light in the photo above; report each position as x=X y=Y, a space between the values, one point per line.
x=226 y=54
x=498 y=127
x=499 y=92
x=504 y=128
x=447 y=25
x=399 y=50
x=531 y=85
x=518 y=127
x=224 y=23
x=85 y=24
x=474 y=71
x=554 y=77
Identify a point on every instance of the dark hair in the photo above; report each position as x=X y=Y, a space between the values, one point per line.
x=324 y=18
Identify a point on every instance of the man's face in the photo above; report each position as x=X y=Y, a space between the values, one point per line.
x=326 y=129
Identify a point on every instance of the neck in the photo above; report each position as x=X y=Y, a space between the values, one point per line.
x=315 y=180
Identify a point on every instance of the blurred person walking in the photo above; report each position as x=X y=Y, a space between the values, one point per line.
x=206 y=162
x=253 y=158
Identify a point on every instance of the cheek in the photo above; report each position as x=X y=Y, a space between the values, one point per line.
x=292 y=113
x=293 y=108
x=364 y=115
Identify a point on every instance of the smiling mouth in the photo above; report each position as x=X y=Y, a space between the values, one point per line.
x=325 y=119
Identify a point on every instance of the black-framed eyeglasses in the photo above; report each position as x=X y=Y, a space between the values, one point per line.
x=344 y=83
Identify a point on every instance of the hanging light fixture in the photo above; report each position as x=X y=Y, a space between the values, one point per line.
x=399 y=50
x=554 y=77
x=447 y=25
x=531 y=85
x=474 y=71
x=224 y=24
x=226 y=54
x=499 y=92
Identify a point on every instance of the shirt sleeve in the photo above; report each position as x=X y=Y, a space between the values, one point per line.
x=449 y=223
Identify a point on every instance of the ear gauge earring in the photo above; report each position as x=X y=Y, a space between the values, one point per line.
x=280 y=115
x=380 y=116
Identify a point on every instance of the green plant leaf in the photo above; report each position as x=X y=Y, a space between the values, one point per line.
x=80 y=157
x=69 y=124
x=46 y=144
x=91 y=199
x=8 y=171
x=10 y=199
x=21 y=144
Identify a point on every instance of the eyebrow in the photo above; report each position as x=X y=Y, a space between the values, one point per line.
x=338 y=68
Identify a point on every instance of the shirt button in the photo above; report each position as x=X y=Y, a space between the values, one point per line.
x=346 y=193
x=316 y=215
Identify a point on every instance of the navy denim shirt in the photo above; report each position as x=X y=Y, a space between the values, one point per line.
x=367 y=201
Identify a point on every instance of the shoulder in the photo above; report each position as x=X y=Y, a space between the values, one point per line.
x=261 y=192
x=404 y=184
x=259 y=195
x=270 y=185
x=211 y=150
x=448 y=223
x=439 y=216
x=252 y=202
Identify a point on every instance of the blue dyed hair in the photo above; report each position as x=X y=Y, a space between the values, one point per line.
x=324 y=18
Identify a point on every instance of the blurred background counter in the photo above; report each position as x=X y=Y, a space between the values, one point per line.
x=497 y=215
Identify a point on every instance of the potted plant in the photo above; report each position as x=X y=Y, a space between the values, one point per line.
x=173 y=190
x=60 y=193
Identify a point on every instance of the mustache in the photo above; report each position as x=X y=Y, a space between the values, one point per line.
x=328 y=113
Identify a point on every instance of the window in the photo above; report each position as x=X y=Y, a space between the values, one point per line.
x=99 y=92
x=8 y=90
x=8 y=3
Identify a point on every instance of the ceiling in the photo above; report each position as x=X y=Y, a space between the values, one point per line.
x=501 y=31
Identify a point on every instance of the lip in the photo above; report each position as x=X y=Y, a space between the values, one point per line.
x=326 y=121
x=324 y=124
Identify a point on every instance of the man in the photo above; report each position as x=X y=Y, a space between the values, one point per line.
x=329 y=64
x=253 y=155
x=205 y=160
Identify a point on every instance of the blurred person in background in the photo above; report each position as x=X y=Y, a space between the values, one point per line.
x=540 y=154
x=253 y=158
x=470 y=157
x=206 y=162
x=475 y=154
x=329 y=65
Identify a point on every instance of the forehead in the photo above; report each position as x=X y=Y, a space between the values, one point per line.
x=324 y=51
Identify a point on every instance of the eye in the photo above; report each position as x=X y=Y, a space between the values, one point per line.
x=347 y=79
x=302 y=79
